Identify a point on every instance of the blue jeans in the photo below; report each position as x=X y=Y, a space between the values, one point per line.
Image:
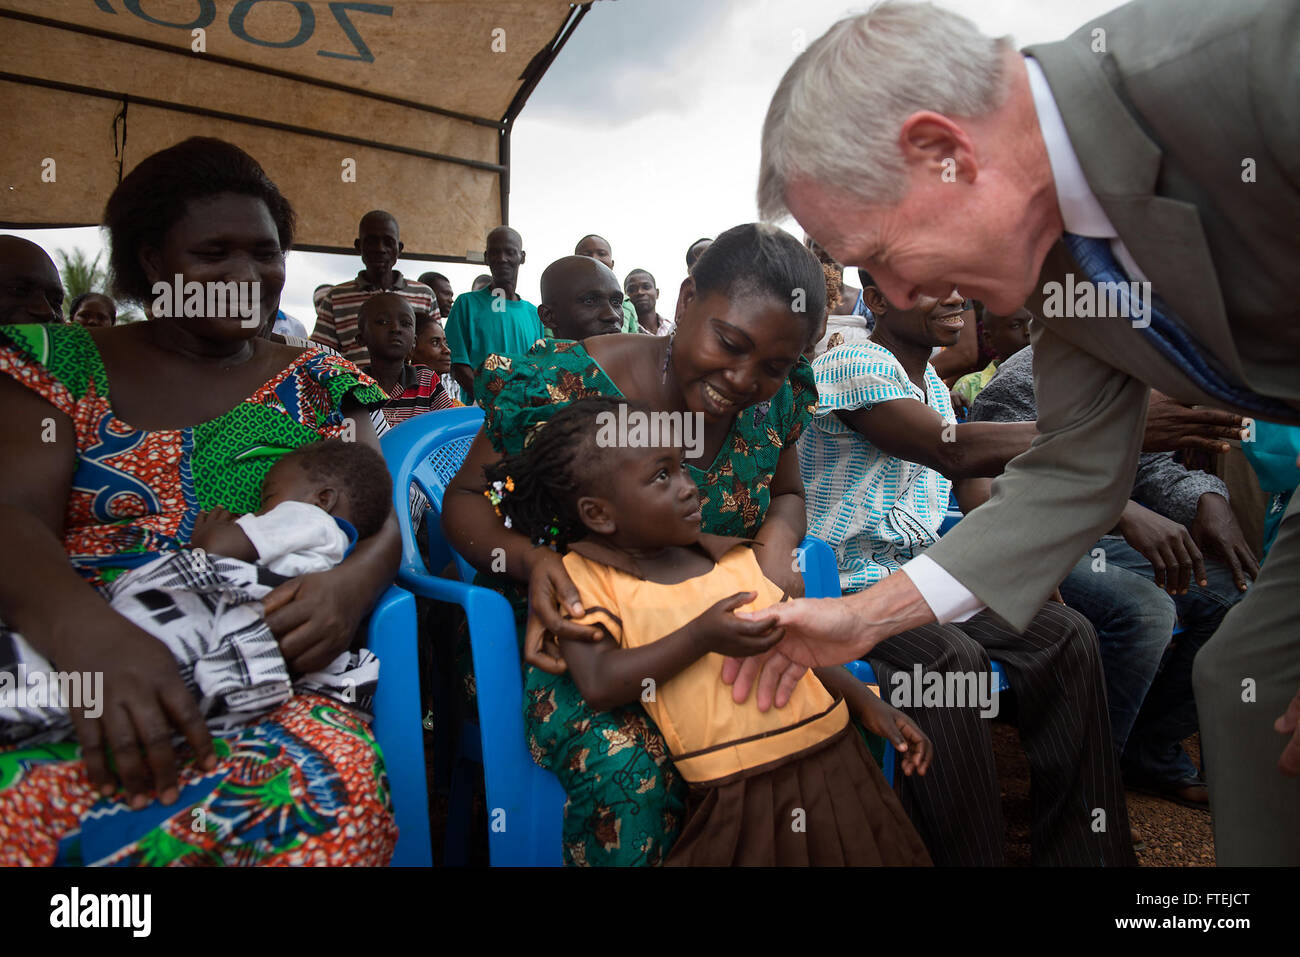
x=1148 y=679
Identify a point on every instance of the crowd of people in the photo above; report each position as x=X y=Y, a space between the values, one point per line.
x=218 y=485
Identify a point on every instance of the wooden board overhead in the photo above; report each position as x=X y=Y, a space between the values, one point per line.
x=405 y=105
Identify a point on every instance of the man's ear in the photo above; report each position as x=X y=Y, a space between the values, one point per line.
x=356 y=244
x=876 y=301
x=596 y=515
x=326 y=499
x=400 y=246
x=546 y=313
x=522 y=256
x=936 y=143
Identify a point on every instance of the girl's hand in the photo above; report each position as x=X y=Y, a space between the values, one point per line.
x=541 y=650
x=143 y=703
x=902 y=732
x=723 y=632
x=315 y=617
x=552 y=600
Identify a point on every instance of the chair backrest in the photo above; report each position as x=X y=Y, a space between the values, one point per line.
x=428 y=450
x=525 y=802
x=821 y=577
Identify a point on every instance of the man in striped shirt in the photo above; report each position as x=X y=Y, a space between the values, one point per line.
x=379 y=243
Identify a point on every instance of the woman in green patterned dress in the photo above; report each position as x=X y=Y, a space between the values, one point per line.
x=116 y=439
x=755 y=300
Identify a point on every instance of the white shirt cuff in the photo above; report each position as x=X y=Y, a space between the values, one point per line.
x=948 y=598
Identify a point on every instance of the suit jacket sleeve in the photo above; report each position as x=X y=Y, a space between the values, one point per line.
x=1062 y=494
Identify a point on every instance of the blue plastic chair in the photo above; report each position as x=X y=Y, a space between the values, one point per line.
x=391 y=634
x=525 y=802
x=821 y=578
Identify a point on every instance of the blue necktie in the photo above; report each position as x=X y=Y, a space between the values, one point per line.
x=1166 y=333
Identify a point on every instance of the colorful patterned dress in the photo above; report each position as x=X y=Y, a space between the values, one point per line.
x=625 y=799
x=307 y=784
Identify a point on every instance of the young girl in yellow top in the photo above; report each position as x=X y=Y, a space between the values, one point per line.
x=794 y=785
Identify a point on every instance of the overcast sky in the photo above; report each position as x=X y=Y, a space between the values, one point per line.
x=646 y=131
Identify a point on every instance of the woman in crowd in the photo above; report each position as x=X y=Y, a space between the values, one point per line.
x=93 y=309
x=118 y=438
x=733 y=364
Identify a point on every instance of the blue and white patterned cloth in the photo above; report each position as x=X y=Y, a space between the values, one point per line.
x=876 y=511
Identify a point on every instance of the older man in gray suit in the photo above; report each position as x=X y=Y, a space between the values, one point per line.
x=1160 y=145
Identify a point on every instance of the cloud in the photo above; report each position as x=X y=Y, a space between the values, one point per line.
x=629 y=59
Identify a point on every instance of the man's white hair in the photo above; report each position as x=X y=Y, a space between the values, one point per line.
x=836 y=116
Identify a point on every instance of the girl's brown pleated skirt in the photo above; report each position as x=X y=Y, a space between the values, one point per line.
x=826 y=806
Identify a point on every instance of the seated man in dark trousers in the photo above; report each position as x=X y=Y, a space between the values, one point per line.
x=1177 y=535
x=877 y=464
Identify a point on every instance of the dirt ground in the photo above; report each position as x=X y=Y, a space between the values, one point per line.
x=1175 y=836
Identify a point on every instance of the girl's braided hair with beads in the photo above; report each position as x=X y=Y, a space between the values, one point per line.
x=537 y=491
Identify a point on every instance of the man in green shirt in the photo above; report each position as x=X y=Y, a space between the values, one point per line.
x=597 y=247
x=493 y=319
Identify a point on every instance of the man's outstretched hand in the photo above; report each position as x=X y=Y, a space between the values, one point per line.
x=818 y=631
x=825 y=631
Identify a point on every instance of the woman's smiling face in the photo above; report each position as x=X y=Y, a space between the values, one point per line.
x=730 y=353
x=223 y=239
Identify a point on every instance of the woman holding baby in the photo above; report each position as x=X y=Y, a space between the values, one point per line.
x=117 y=440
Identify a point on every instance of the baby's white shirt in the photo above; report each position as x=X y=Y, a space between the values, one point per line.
x=295 y=538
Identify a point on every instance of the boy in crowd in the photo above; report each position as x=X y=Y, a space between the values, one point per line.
x=641 y=291
x=379 y=243
x=493 y=319
x=598 y=248
x=1183 y=539
x=431 y=350
x=877 y=462
x=441 y=287
x=386 y=327
x=30 y=287
x=693 y=253
x=695 y=250
x=1003 y=336
x=580 y=298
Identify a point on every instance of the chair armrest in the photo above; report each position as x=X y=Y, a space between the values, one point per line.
x=821 y=577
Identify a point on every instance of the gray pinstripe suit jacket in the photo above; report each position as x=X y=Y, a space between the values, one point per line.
x=1162 y=122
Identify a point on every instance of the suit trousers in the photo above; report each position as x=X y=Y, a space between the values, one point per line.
x=1054 y=669
x=1244 y=678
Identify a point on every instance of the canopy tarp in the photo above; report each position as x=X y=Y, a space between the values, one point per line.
x=405 y=105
